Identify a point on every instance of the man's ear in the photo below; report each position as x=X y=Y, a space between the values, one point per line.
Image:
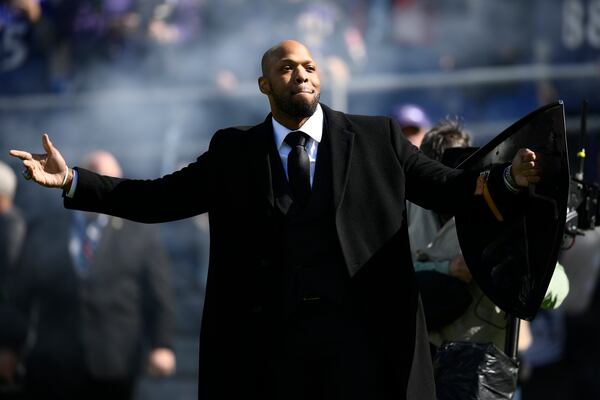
x=264 y=86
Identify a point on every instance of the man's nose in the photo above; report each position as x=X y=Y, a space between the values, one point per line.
x=301 y=76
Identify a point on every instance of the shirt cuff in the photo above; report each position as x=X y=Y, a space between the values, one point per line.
x=71 y=193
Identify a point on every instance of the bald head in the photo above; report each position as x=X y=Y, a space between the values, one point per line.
x=274 y=53
x=103 y=163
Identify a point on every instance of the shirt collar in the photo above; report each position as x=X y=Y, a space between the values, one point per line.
x=313 y=127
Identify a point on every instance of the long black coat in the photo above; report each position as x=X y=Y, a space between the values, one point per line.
x=374 y=170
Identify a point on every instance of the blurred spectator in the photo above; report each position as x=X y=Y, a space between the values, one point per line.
x=12 y=224
x=88 y=35
x=337 y=44
x=16 y=19
x=542 y=374
x=422 y=225
x=98 y=42
x=22 y=66
x=581 y=351
x=414 y=122
x=175 y=46
x=12 y=325
x=101 y=290
x=562 y=362
x=174 y=22
x=436 y=253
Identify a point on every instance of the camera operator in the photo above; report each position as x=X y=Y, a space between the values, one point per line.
x=446 y=283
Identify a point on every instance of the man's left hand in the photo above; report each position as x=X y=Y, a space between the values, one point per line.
x=525 y=168
x=161 y=362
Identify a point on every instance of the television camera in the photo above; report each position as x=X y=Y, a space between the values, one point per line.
x=583 y=211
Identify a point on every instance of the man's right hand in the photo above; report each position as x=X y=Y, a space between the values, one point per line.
x=46 y=169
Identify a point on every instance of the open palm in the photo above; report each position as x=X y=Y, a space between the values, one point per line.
x=46 y=169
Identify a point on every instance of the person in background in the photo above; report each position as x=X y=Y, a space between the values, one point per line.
x=425 y=226
x=580 y=329
x=23 y=66
x=455 y=307
x=413 y=121
x=12 y=225
x=12 y=324
x=99 y=303
x=466 y=314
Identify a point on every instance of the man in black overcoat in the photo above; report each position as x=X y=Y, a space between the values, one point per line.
x=311 y=292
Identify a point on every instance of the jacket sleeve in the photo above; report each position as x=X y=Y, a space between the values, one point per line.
x=434 y=186
x=182 y=194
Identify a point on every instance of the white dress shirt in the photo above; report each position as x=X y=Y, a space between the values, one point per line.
x=313 y=127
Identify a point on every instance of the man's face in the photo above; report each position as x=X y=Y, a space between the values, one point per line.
x=291 y=81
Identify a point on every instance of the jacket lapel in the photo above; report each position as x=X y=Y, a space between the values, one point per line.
x=266 y=163
x=261 y=145
x=342 y=141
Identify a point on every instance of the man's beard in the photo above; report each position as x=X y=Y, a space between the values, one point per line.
x=296 y=108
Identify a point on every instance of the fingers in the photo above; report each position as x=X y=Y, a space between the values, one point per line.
x=526 y=168
x=527 y=155
x=528 y=165
x=29 y=160
x=48 y=147
x=23 y=155
x=29 y=170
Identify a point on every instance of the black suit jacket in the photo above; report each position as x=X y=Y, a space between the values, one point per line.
x=374 y=170
x=100 y=322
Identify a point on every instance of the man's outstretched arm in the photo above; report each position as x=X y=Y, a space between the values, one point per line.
x=178 y=195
